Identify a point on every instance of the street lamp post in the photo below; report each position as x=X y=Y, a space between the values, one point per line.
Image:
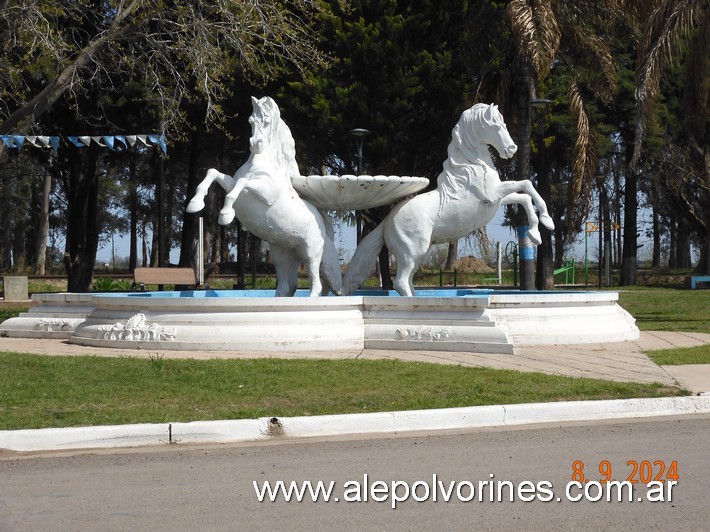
x=359 y=134
x=160 y=200
x=600 y=183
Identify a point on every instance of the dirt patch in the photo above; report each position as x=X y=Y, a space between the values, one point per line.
x=472 y=265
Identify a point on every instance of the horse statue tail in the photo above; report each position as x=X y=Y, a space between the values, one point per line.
x=363 y=262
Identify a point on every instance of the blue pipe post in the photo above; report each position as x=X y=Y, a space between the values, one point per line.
x=527 y=259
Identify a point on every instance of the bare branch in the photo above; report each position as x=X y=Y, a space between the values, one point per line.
x=185 y=50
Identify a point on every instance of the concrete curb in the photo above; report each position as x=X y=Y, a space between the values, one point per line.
x=264 y=429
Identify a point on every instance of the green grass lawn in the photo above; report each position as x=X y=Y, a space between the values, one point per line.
x=670 y=309
x=8 y=311
x=39 y=391
x=667 y=309
x=681 y=356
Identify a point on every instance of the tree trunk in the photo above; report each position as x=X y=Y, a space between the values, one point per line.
x=6 y=246
x=617 y=217
x=82 y=226
x=673 y=235
x=630 y=246
x=522 y=107
x=160 y=226
x=132 y=207
x=559 y=245
x=452 y=255
x=683 y=259
x=155 y=244
x=703 y=267
x=224 y=245
x=241 y=256
x=19 y=247
x=133 y=213
x=545 y=274
x=144 y=247
x=656 y=261
x=190 y=221
x=43 y=233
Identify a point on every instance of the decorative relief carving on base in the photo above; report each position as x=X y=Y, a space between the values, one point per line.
x=55 y=324
x=136 y=329
x=423 y=333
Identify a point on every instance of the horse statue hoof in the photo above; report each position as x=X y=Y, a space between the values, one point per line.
x=547 y=221
x=534 y=236
x=226 y=216
x=195 y=205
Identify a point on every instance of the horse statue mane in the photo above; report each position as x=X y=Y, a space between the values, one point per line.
x=262 y=196
x=280 y=139
x=466 y=152
x=468 y=194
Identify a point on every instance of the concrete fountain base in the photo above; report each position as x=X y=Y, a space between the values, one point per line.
x=482 y=321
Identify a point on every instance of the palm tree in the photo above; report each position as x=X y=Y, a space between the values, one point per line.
x=546 y=32
x=676 y=27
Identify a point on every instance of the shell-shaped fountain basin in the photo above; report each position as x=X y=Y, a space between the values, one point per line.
x=352 y=193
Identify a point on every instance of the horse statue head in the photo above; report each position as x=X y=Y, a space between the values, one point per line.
x=271 y=137
x=470 y=164
x=483 y=125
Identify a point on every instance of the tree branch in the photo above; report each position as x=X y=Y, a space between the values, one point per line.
x=21 y=120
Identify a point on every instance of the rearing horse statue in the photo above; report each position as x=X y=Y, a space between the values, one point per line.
x=261 y=195
x=468 y=194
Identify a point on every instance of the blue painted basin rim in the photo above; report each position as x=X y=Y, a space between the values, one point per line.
x=422 y=293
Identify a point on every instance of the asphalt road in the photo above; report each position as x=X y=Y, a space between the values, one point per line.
x=211 y=488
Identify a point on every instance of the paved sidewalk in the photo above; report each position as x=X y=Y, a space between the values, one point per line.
x=619 y=361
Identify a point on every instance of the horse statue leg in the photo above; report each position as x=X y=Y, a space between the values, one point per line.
x=286 y=261
x=526 y=188
x=311 y=251
x=527 y=204
x=197 y=203
x=409 y=251
x=227 y=214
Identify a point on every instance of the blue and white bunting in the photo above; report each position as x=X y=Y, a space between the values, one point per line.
x=112 y=142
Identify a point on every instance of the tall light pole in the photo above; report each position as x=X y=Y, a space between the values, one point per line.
x=545 y=277
x=600 y=183
x=160 y=200
x=359 y=134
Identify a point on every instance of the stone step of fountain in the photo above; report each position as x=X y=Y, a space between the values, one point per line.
x=482 y=321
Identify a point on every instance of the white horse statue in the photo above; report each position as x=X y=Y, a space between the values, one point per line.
x=468 y=194
x=263 y=198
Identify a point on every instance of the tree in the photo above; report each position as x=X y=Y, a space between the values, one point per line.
x=681 y=29
x=174 y=47
x=399 y=70
x=59 y=58
x=570 y=34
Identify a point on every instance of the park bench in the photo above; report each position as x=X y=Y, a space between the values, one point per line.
x=695 y=279
x=163 y=276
